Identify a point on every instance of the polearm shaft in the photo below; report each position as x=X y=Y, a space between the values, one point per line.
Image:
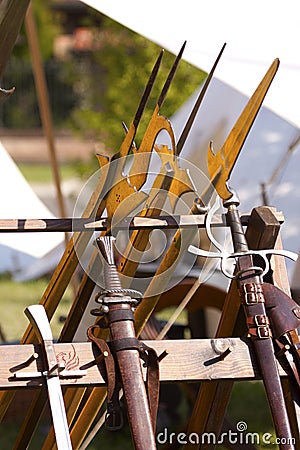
x=121 y=326
x=91 y=405
x=69 y=260
x=252 y=299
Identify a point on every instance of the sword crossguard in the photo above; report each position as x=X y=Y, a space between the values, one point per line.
x=224 y=256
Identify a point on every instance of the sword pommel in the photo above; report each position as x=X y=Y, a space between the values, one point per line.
x=106 y=247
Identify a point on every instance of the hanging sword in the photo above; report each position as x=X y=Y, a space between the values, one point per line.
x=39 y=320
x=248 y=276
x=117 y=308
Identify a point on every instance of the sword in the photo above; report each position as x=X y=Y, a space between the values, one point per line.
x=39 y=320
x=248 y=276
x=117 y=306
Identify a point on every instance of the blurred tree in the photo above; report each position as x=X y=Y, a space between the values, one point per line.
x=48 y=23
x=110 y=82
x=21 y=110
x=93 y=89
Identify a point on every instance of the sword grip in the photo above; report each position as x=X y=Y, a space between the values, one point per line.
x=237 y=232
x=111 y=275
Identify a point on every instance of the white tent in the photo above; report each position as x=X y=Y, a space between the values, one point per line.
x=18 y=201
x=255 y=34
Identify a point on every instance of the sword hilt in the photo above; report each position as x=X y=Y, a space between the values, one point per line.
x=233 y=219
x=111 y=277
x=113 y=292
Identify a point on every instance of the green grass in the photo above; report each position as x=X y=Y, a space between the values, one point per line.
x=15 y=297
x=42 y=173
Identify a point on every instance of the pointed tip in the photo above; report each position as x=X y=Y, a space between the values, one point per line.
x=182 y=49
x=211 y=148
x=170 y=76
x=147 y=90
x=159 y=58
x=125 y=127
x=102 y=160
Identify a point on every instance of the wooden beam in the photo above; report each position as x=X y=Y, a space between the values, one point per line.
x=72 y=224
x=187 y=360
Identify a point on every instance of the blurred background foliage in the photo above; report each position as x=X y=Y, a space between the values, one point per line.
x=92 y=91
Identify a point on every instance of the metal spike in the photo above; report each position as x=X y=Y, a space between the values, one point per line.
x=147 y=91
x=196 y=107
x=170 y=77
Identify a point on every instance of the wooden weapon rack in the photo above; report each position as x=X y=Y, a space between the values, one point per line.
x=218 y=361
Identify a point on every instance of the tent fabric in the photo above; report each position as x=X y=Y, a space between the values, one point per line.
x=19 y=201
x=255 y=32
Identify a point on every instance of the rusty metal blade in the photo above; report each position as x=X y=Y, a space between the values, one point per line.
x=147 y=91
x=197 y=105
x=170 y=76
x=226 y=157
x=129 y=137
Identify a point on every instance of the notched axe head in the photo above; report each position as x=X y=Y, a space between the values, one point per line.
x=224 y=160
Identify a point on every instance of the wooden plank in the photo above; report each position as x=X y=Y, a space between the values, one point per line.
x=188 y=360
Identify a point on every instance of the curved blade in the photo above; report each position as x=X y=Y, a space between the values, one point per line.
x=39 y=320
x=225 y=159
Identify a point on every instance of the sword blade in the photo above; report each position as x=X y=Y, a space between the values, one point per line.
x=39 y=320
x=197 y=105
x=58 y=412
x=226 y=157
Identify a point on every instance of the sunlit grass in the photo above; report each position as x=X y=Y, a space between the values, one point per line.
x=42 y=173
x=15 y=297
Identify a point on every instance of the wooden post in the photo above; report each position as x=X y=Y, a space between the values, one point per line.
x=43 y=100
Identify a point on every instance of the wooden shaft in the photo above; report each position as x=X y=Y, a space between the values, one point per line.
x=43 y=100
